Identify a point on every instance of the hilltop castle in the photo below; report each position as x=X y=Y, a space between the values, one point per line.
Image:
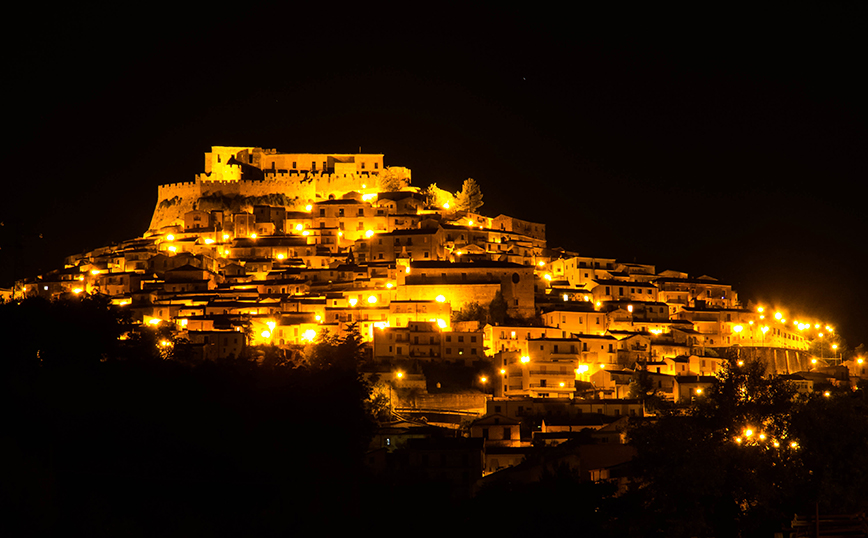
x=238 y=177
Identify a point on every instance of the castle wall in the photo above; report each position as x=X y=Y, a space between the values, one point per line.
x=297 y=190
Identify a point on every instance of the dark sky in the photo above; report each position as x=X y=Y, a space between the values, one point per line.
x=721 y=141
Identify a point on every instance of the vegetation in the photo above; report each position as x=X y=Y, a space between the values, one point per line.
x=165 y=204
x=747 y=457
x=218 y=200
x=106 y=437
x=469 y=198
x=437 y=197
x=391 y=180
x=471 y=312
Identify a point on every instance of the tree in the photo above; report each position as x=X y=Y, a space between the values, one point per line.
x=393 y=179
x=471 y=312
x=438 y=197
x=497 y=308
x=469 y=198
x=727 y=467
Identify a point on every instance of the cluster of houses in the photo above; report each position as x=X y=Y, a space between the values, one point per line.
x=407 y=274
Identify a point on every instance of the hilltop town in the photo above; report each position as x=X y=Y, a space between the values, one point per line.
x=469 y=321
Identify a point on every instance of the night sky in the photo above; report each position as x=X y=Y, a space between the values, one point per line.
x=729 y=142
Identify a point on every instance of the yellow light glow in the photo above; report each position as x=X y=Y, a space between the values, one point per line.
x=563 y=384
x=738 y=440
x=794 y=445
x=209 y=241
x=441 y=323
x=582 y=368
x=172 y=248
x=367 y=197
x=440 y=299
x=165 y=343
x=776 y=444
x=94 y=271
x=280 y=256
x=299 y=227
x=253 y=235
x=271 y=325
x=760 y=309
x=446 y=205
x=470 y=222
x=353 y=301
x=369 y=234
x=317 y=317
x=340 y=234
x=407 y=269
x=860 y=360
x=820 y=335
x=778 y=315
x=748 y=432
x=827 y=394
x=630 y=308
x=77 y=290
x=306 y=232
x=266 y=334
x=566 y=297
x=762 y=437
x=525 y=359
x=364 y=186
x=182 y=322
x=547 y=276
x=225 y=237
x=389 y=285
x=372 y=299
x=502 y=371
x=764 y=329
x=698 y=391
x=817 y=326
x=741 y=363
x=308 y=207
x=738 y=328
x=399 y=375
x=541 y=263
x=309 y=335
x=154 y=321
x=483 y=379
x=813 y=361
x=170 y=237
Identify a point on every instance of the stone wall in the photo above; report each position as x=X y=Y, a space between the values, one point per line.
x=293 y=191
